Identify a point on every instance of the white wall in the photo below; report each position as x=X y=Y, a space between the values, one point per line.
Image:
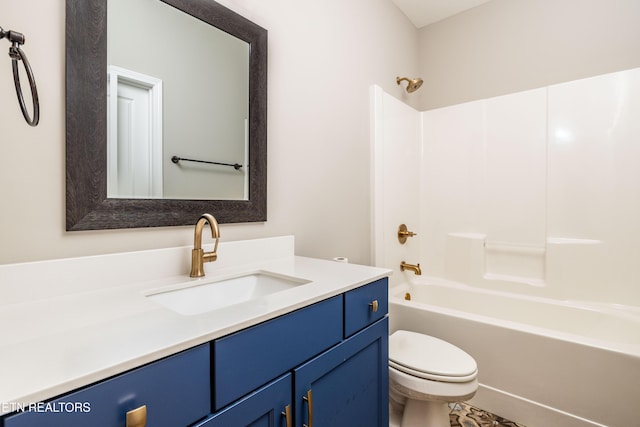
x=506 y=46
x=323 y=56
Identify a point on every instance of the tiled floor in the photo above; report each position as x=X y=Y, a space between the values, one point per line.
x=465 y=415
x=461 y=415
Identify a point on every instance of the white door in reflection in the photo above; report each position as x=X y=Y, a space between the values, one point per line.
x=134 y=153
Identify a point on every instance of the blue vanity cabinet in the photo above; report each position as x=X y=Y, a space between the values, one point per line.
x=340 y=375
x=175 y=391
x=347 y=385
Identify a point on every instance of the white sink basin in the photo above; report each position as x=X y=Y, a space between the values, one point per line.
x=200 y=297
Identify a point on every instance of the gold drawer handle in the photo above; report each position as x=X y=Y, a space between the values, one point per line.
x=137 y=417
x=309 y=399
x=374 y=305
x=287 y=415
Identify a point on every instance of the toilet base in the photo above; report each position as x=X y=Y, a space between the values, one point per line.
x=425 y=413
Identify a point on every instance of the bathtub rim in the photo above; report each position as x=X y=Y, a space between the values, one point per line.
x=631 y=313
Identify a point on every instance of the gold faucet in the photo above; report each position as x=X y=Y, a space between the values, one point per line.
x=415 y=268
x=198 y=255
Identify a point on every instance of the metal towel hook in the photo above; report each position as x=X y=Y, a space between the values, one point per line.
x=16 y=55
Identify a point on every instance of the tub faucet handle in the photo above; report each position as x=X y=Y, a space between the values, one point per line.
x=403 y=233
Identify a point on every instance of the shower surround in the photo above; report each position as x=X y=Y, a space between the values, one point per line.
x=534 y=194
x=537 y=189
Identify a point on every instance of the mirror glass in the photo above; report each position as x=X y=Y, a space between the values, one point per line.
x=178 y=127
x=166 y=114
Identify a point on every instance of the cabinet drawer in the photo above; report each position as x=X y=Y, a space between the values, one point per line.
x=250 y=358
x=365 y=305
x=175 y=390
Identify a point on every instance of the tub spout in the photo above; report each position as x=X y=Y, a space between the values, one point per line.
x=415 y=268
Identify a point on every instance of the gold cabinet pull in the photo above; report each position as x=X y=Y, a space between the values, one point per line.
x=309 y=399
x=287 y=415
x=374 y=305
x=137 y=417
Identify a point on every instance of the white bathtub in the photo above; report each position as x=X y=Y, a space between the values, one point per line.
x=542 y=362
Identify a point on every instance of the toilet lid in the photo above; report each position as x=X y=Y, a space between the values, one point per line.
x=429 y=357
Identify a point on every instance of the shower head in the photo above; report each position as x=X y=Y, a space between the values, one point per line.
x=413 y=85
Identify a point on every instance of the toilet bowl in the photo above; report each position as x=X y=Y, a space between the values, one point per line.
x=425 y=375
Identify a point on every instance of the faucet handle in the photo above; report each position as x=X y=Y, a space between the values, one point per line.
x=403 y=233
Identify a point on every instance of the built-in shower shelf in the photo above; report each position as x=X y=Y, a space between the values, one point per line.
x=474 y=258
x=514 y=262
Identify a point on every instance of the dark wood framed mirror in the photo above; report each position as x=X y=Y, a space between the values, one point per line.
x=87 y=204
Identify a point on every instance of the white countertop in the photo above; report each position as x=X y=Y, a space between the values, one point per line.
x=96 y=323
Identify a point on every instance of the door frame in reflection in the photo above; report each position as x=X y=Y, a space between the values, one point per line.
x=134 y=138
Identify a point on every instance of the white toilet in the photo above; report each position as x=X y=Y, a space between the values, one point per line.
x=425 y=375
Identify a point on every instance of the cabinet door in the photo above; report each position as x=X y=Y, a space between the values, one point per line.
x=348 y=385
x=266 y=407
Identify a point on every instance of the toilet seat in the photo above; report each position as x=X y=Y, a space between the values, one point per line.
x=430 y=358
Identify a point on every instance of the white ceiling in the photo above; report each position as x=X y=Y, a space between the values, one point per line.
x=425 y=12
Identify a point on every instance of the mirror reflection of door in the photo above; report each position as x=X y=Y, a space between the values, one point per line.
x=205 y=79
x=134 y=156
